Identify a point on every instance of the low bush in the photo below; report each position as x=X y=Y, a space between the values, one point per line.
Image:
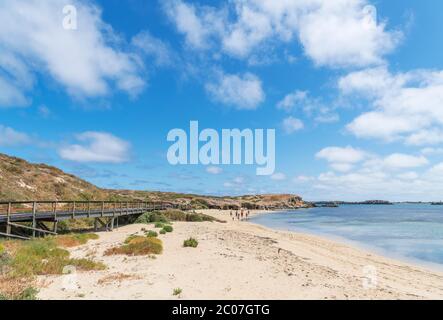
x=168 y=228
x=177 y=291
x=151 y=234
x=162 y=231
x=159 y=225
x=191 y=242
x=43 y=257
x=73 y=240
x=150 y=217
x=138 y=246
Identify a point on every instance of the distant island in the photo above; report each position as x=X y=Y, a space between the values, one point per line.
x=334 y=204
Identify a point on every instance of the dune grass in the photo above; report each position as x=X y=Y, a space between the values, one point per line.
x=22 y=261
x=137 y=246
x=74 y=240
x=166 y=216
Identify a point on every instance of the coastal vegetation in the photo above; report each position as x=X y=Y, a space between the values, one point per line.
x=177 y=291
x=137 y=246
x=191 y=242
x=151 y=234
x=22 y=261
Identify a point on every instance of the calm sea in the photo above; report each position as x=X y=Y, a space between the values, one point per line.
x=405 y=231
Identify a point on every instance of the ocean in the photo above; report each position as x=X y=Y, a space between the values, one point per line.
x=410 y=232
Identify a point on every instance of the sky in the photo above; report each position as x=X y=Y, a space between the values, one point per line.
x=353 y=89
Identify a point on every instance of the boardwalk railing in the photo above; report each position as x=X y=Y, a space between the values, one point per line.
x=37 y=212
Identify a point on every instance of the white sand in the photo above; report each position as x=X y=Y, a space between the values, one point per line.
x=241 y=260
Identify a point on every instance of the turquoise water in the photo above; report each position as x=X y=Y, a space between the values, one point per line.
x=409 y=231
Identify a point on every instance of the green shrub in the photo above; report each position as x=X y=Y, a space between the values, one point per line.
x=159 y=225
x=191 y=242
x=168 y=228
x=162 y=231
x=152 y=234
x=177 y=291
x=150 y=217
x=138 y=246
x=43 y=257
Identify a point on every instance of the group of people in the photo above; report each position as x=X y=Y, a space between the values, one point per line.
x=240 y=215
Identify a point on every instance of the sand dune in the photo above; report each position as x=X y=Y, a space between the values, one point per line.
x=241 y=260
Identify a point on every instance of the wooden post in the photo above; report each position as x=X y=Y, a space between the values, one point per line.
x=73 y=210
x=95 y=224
x=8 y=226
x=55 y=210
x=103 y=208
x=55 y=218
x=34 y=222
x=89 y=209
x=127 y=208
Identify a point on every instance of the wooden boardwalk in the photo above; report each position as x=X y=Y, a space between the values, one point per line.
x=105 y=213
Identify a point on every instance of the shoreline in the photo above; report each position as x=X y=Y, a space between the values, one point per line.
x=242 y=260
x=431 y=266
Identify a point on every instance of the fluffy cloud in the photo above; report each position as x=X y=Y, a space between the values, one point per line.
x=291 y=124
x=312 y=107
x=97 y=147
x=406 y=106
x=332 y=33
x=10 y=137
x=341 y=159
x=154 y=48
x=85 y=61
x=341 y=155
x=241 y=91
x=294 y=99
x=402 y=161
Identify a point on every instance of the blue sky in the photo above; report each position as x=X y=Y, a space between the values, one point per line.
x=354 y=89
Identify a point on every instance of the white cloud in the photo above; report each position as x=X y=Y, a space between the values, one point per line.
x=341 y=155
x=97 y=147
x=10 y=137
x=154 y=48
x=278 y=176
x=291 y=124
x=402 y=161
x=312 y=107
x=292 y=100
x=332 y=33
x=214 y=170
x=242 y=91
x=341 y=159
x=86 y=61
x=406 y=106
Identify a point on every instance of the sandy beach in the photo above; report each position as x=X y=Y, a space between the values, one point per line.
x=241 y=260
